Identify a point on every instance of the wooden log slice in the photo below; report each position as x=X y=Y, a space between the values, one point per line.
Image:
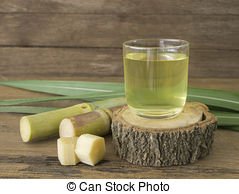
x=164 y=142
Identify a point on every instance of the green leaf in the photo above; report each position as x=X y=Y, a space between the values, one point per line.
x=223 y=99
x=25 y=109
x=88 y=91
x=233 y=128
x=109 y=103
x=227 y=118
x=67 y=88
x=216 y=108
x=84 y=97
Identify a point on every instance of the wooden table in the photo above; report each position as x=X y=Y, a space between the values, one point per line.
x=39 y=160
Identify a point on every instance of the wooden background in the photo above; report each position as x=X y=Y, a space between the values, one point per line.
x=44 y=38
x=82 y=40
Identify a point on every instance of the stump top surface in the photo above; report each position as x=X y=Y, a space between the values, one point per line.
x=193 y=113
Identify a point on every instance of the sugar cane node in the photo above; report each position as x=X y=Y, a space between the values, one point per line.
x=164 y=142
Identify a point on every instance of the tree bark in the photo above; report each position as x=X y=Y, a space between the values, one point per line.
x=164 y=142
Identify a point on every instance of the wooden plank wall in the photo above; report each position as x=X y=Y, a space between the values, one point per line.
x=45 y=38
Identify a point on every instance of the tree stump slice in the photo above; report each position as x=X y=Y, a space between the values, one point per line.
x=164 y=142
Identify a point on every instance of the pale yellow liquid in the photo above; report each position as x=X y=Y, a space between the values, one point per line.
x=156 y=86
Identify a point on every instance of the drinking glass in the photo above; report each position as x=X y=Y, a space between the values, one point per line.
x=156 y=76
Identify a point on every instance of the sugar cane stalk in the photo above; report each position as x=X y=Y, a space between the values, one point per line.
x=96 y=123
x=44 y=125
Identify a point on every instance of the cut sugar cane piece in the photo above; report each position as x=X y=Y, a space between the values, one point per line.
x=96 y=123
x=66 y=150
x=90 y=149
x=46 y=124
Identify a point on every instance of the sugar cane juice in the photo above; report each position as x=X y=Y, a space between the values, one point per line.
x=156 y=85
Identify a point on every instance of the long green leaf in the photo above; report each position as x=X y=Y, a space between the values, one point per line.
x=25 y=109
x=84 y=97
x=233 y=128
x=223 y=99
x=216 y=98
x=227 y=118
x=220 y=109
x=68 y=88
x=112 y=102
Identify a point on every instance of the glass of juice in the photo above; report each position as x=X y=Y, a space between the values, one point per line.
x=156 y=76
